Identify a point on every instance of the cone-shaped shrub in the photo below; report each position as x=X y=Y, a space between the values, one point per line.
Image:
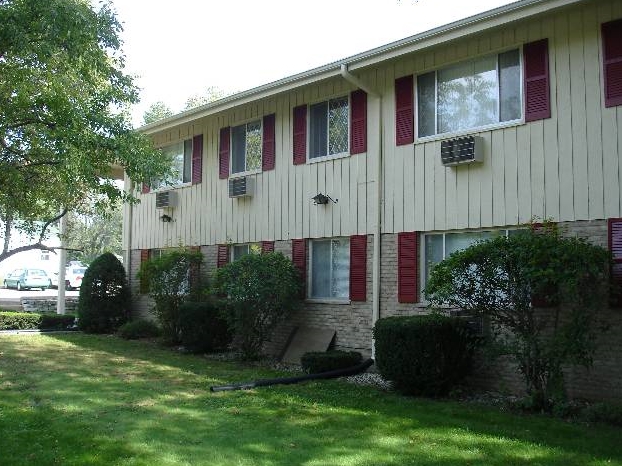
x=104 y=302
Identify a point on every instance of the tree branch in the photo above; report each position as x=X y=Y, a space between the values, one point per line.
x=49 y=222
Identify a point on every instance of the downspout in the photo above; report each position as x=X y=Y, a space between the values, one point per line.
x=378 y=226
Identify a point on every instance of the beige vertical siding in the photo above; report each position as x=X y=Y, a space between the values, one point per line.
x=281 y=207
x=565 y=168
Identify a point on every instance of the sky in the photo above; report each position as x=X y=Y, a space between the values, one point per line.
x=176 y=49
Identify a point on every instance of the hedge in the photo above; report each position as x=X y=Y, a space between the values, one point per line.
x=424 y=355
x=316 y=362
x=35 y=321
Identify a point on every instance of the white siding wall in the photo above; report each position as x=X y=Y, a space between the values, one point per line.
x=565 y=168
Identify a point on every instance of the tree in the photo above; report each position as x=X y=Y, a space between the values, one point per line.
x=542 y=293
x=64 y=122
x=104 y=302
x=92 y=234
x=261 y=291
x=211 y=94
x=155 y=112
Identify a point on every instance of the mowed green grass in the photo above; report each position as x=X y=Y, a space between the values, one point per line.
x=74 y=399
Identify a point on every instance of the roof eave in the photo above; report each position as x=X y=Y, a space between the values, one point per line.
x=474 y=24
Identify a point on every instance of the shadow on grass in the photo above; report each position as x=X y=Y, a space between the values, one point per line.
x=140 y=404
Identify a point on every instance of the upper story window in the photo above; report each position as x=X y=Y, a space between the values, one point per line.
x=180 y=155
x=332 y=128
x=246 y=144
x=472 y=94
x=328 y=127
x=247 y=148
x=330 y=268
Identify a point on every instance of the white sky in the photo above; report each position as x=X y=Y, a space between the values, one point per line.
x=179 y=48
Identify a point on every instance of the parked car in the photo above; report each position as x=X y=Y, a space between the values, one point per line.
x=73 y=277
x=24 y=279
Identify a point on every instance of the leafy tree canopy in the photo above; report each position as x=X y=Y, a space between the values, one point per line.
x=211 y=94
x=92 y=234
x=64 y=120
x=156 y=111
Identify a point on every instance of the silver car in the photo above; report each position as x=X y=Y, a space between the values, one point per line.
x=24 y=279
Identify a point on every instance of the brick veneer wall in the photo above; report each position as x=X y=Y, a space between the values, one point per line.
x=601 y=382
x=352 y=321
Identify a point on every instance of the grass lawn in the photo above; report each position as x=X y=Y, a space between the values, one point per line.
x=75 y=399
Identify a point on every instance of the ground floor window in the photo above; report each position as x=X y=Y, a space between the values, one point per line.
x=330 y=268
x=438 y=246
x=240 y=250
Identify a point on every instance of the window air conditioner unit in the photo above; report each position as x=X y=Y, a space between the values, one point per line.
x=462 y=150
x=241 y=187
x=166 y=199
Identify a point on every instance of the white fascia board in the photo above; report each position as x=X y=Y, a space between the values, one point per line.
x=474 y=24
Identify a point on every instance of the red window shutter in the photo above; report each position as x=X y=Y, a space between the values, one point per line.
x=407 y=276
x=299 y=258
x=144 y=285
x=300 y=135
x=146 y=188
x=615 y=246
x=404 y=111
x=268 y=150
x=197 y=159
x=222 y=257
x=223 y=153
x=267 y=246
x=358 y=268
x=358 y=122
x=537 y=94
x=612 y=62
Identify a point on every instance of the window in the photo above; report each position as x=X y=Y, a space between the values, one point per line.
x=330 y=268
x=246 y=142
x=471 y=94
x=438 y=246
x=328 y=128
x=240 y=250
x=180 y=155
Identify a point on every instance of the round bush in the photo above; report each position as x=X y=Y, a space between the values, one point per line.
x=104 y=302
x=316 y=362
x=140 y=328
x=203 y=330
x=424 y=355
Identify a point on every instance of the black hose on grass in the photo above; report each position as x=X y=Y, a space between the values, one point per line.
x=291 y=380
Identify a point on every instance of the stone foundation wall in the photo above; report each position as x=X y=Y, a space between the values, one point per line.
x=49 y=305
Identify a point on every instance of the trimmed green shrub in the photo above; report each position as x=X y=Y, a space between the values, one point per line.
x=203 y=329
x=316 y=362
x=170 y=280
x=261 y=291
x=32 y=321
x=140 y=328
x=57 y=321
x=104 y=301
x=19 y=320
x=424 y=355
x=543 y=293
